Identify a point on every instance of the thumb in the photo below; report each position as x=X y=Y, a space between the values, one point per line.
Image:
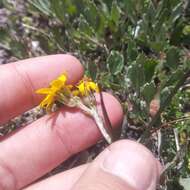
x=124 y=165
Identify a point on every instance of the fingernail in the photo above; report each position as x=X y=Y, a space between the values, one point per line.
x=137 y=167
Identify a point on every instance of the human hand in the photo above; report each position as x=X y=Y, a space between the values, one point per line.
x=34 y=150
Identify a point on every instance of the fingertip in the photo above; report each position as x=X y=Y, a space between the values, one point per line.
x=134 y=163
x=123 y=165
x=73 y=68
x=21 y=79
x=159 y=167
x=50 y=67
x=137 y=147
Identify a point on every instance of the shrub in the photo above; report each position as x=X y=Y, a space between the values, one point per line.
x=138 y=50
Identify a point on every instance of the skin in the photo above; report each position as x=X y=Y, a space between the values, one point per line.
x=32 y=151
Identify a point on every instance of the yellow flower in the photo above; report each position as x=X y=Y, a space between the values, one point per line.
x=58 y=91
x=52 y=92
x=59 y=82
x=86 y=86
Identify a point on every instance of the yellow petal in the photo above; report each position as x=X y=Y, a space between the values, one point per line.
x=57 y=84
x=57 y=87
x=44 y=91
x=93 y=86
x=81 y=88
x=62 y=78
x=47 y=103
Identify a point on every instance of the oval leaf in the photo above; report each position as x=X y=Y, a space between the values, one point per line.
x=115 y=62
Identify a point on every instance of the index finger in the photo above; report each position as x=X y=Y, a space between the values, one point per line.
x=19 y=80
x=41 y=146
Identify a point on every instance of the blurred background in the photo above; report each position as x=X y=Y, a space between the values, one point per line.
x=138 y=50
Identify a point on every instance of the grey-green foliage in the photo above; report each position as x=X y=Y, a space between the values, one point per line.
x=138 y=48
x=115 y=62
x=129 y=43
x=144 y=40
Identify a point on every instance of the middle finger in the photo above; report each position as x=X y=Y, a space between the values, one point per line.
x=44 y=144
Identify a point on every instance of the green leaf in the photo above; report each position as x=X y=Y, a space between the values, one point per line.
x=175 y=76
x=4 y=36
x=92 y=70
x=158 y=45
x=115 y=62
x=106 y=79
x=176 y=12
x=90 y=13
x=135 y=73
x=164 y=94
x=131 y=50
x=161 y=17
x=115 y=12
x=148 y=91
x=18 y=49
x=149 y=68
x=185 y=182
x=85 y=27
x=57 y=8
x=172 y=58
x=42 y=5
x=130 y=10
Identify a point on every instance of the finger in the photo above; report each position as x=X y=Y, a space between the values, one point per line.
x=20 y=80
x=41 y=146
x=125 y=165
x=64 y=180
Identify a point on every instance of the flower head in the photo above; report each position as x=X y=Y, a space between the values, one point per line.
x=86 y=86
x=52 y=93
x=58 y=91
